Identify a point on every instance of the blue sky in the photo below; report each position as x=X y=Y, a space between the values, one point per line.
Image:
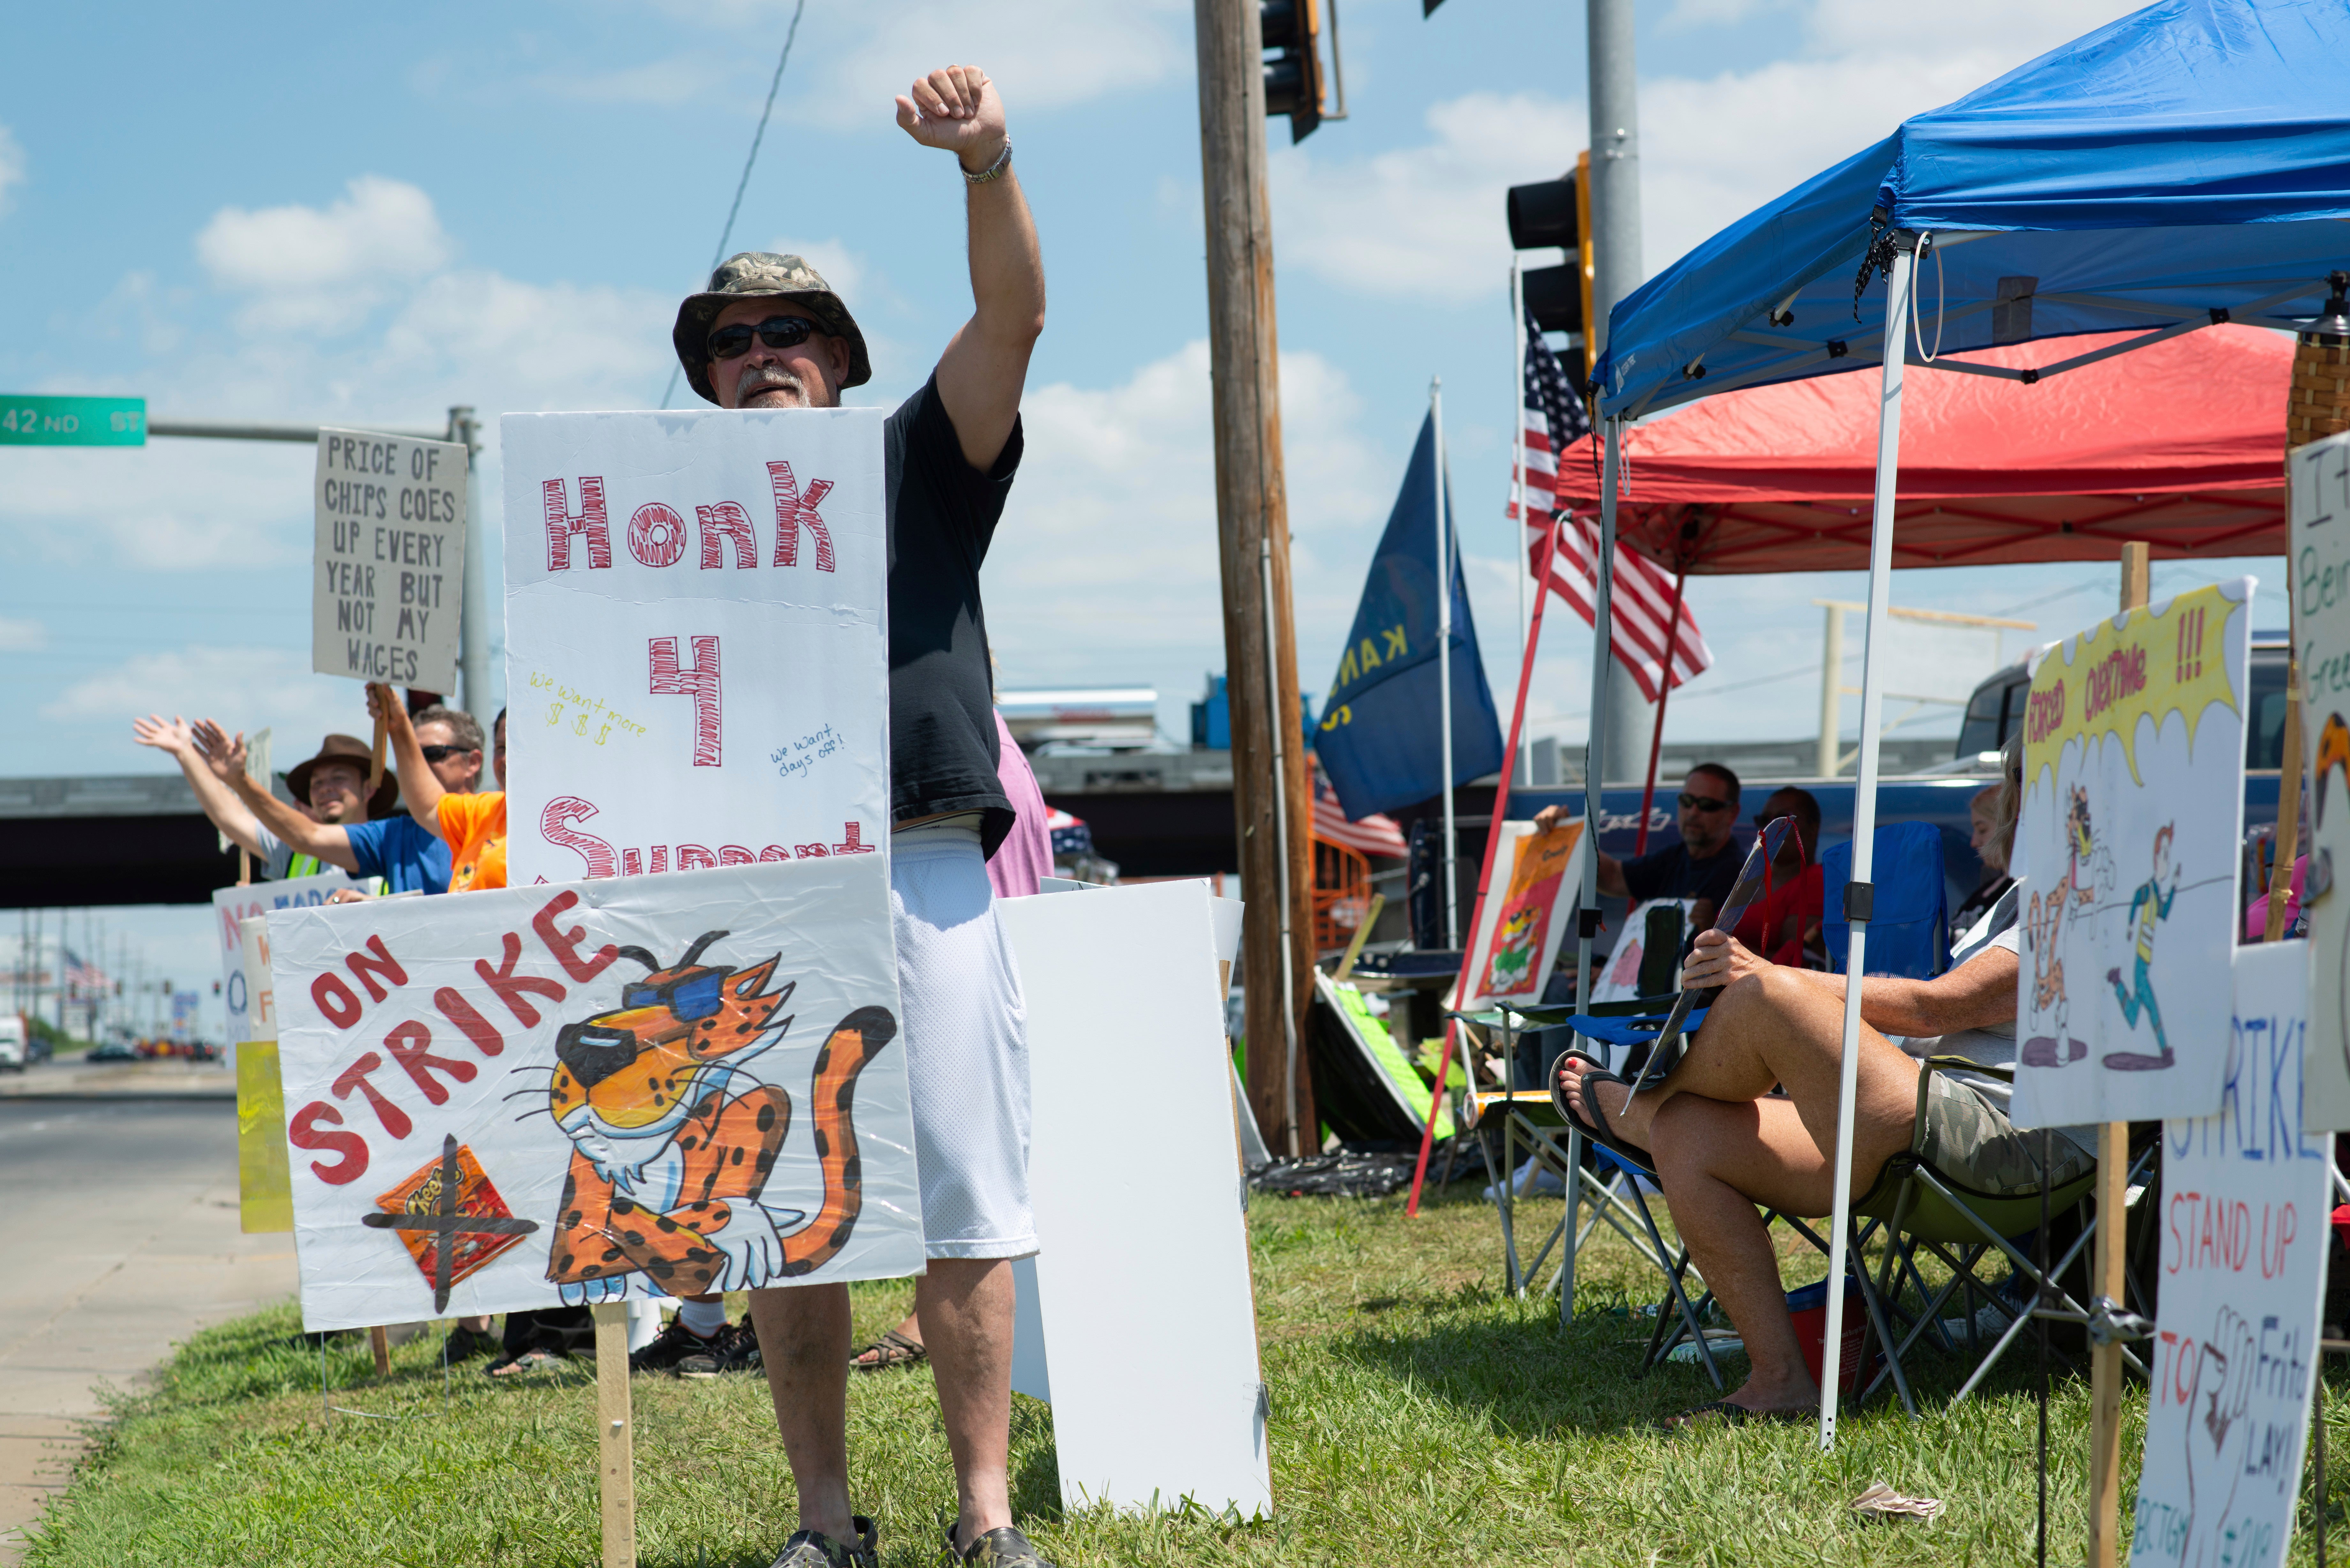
x=367 y=215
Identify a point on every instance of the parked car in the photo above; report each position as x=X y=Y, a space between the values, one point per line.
x=15 y=1042
x=111 y=1051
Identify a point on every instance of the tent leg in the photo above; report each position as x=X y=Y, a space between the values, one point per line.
x=1603 y=613
x=1864 y=807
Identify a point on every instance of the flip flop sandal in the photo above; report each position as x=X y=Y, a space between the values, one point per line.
x=892 y=1349
x=1597 y=1130
x=1734 y=1416
x=529 y=1361
x=814 y=1549
x=1003 y=1547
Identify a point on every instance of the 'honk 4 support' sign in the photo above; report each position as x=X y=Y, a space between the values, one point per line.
x=388 y=561
x=695 y=639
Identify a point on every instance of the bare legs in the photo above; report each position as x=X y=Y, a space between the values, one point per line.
x=1721 y=1148
x=965 y=1305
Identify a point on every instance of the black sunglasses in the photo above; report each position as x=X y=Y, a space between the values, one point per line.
x=442 y=754
x=1702 y=802
x=775 y=332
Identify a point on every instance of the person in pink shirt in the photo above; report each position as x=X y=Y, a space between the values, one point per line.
x=1025 y=855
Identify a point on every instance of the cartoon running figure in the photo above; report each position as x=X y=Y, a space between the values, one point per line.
x=2149 y=904
x=2048 y=986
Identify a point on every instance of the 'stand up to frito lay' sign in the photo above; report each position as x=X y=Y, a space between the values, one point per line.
x=541 y=1096
x=2244 y=1201
x=389 y=558
x=695 y=639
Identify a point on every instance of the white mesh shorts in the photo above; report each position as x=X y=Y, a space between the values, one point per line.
x=966 y=1044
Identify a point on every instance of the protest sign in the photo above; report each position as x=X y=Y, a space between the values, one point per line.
x=388 y=559
x=546 y=1095
x=1521 y=923
x=265 y=1198
x=1620 y=980
x=1113 y=1231
x=703 y=693
x=2245 y=1197
x=2133 y=801
x=231 y=906
x=2321 y=623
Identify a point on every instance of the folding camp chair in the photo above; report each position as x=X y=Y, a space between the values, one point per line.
x=1505 y=1117
x=1926 y=1209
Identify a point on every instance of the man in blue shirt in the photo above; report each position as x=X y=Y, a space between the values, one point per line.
x=394 y=848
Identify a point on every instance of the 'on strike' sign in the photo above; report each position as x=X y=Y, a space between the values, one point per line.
x=694 y=640
x=388 y=559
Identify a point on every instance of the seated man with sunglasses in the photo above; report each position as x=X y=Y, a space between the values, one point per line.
x=769 y=333
x=1702 y=867
x=380 y=843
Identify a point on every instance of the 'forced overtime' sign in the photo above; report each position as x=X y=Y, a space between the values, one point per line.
x=388 y=559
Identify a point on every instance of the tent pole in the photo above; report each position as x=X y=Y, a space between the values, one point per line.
x=1664 y=695
x=1864 y=811
x=1485 y=875
x=1444 y=667
x=1594 y=731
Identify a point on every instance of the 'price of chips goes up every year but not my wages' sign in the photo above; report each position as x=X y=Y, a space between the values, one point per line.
x=388 y=559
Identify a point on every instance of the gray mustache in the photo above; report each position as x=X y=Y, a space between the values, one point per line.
x=756 y=378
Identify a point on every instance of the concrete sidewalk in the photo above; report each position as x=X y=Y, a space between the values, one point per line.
x=163 y=1077
x=123 y=1214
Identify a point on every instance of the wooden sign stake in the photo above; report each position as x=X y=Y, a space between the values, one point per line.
x=380 y=1343
x=615 y=1436
x=2113 y=1237
x=2288 y=832
x=243 y=866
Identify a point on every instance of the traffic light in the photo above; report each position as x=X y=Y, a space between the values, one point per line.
x=1293 y=64
x=1557 y=212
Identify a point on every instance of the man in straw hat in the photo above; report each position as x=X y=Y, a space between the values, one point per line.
x=769 y=333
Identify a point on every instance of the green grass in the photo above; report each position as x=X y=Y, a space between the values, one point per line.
x=1418 y=1415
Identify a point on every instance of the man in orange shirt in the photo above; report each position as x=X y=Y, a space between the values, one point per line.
x=473 y=825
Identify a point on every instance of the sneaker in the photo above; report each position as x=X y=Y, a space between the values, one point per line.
x=814 y=1549
x=464 y=1343
x=672 y=1344
x=1003 y=1547
x=734 y=1348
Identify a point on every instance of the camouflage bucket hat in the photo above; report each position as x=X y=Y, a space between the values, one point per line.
x=753 y=275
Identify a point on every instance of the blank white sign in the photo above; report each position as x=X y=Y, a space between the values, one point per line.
x=1135 y=1175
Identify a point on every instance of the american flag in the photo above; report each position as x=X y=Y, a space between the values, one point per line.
x=1377 y=833
x=1642 y=601
x=82 y=975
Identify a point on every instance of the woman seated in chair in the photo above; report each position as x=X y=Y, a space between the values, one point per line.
x=1721 y=1142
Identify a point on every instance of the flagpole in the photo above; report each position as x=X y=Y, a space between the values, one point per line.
x=1664 y=694
x=1518 y=462
x=1444 y=666
x=1485 y=881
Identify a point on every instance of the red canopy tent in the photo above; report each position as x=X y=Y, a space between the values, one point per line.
x=2180 y=443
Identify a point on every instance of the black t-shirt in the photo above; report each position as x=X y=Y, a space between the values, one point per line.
x=1670 y=873
x=942 y=515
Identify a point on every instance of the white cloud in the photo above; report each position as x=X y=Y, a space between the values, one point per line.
x=21 y=636
x=308 y=268
x=1427 y=221
x=1105 y=564
x=12 y=165
x=243 y=687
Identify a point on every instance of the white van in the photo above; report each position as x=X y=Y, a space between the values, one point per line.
x=12 y=1042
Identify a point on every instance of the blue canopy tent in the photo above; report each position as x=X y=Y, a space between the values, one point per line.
x=2187 y=165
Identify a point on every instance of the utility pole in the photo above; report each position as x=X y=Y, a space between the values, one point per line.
x=1252 y=538
x=474 y=610
x=1616 y=272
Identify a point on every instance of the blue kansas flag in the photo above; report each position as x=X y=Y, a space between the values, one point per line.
x=1380 y=740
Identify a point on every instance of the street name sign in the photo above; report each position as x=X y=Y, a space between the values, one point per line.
x=30 y=419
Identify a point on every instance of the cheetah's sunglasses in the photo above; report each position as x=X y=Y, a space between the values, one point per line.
x=693 y=998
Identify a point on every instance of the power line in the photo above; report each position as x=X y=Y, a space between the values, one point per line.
x=744 y=184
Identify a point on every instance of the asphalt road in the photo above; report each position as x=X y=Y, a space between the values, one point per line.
x=118 y=1228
